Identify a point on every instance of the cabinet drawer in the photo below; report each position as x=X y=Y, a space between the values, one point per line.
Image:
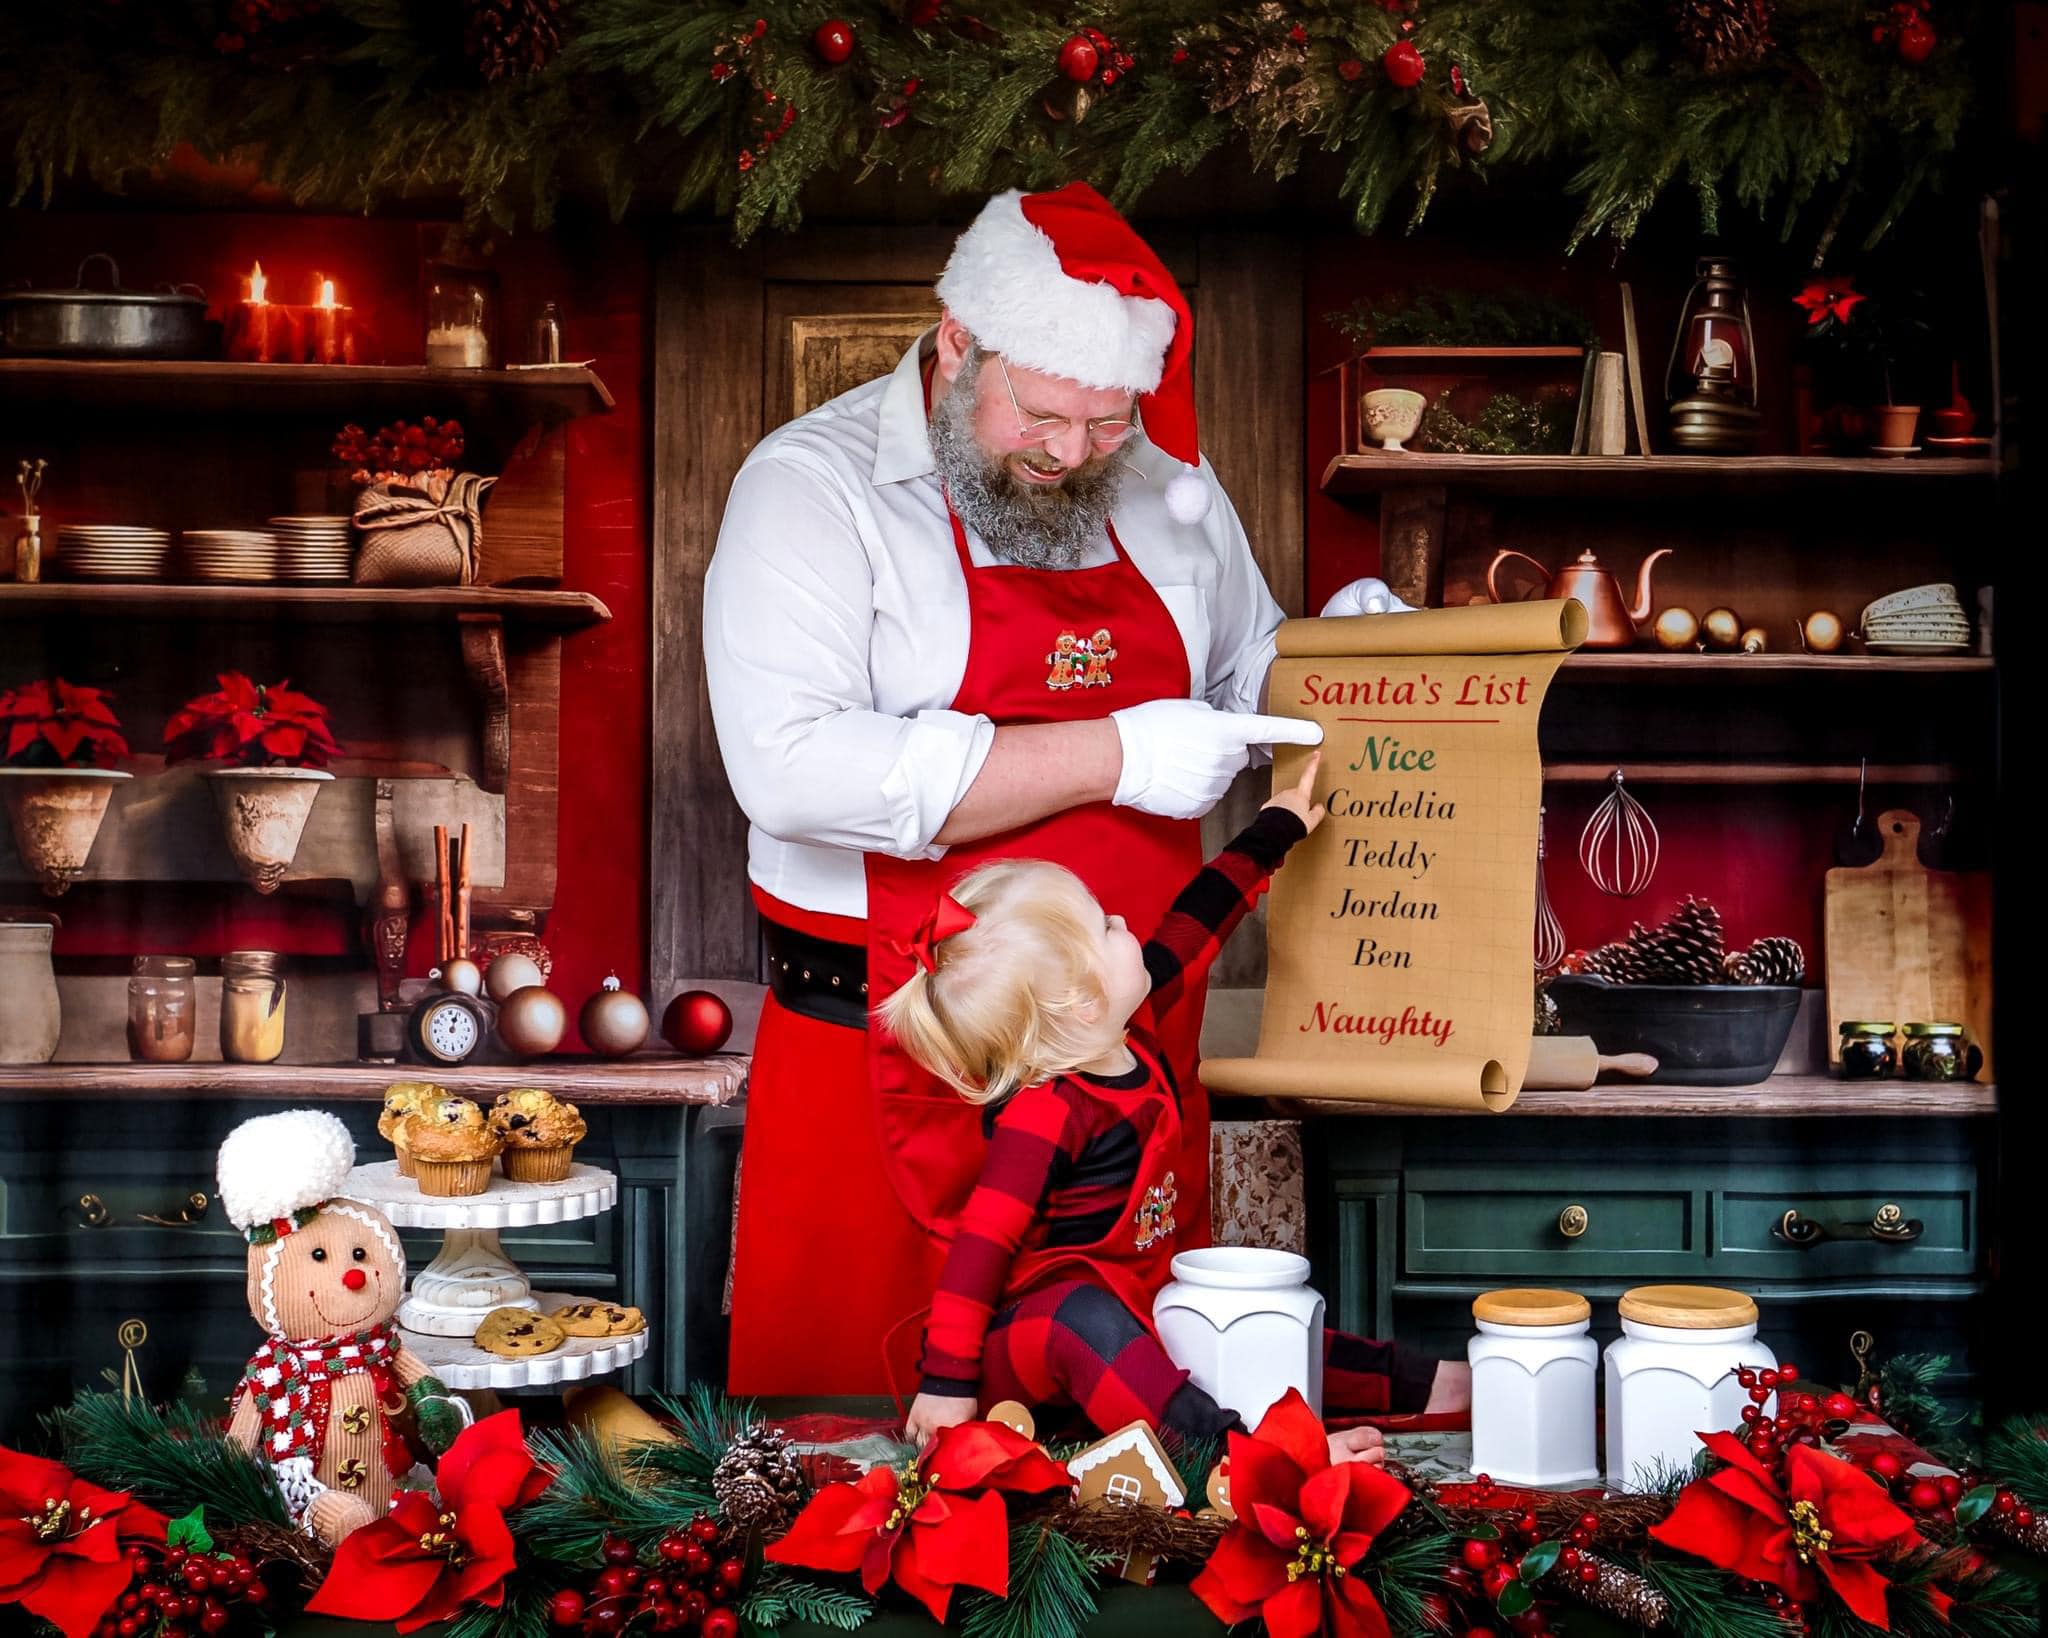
x=1832 y=1233
x=1509 y=1223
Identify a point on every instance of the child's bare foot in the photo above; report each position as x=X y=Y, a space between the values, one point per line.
x=1358 y=1445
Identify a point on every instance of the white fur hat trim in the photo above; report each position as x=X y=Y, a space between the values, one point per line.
x=274 y=1165
x=1005 y=283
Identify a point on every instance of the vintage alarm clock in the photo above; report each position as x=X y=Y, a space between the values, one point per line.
x=446 y=1028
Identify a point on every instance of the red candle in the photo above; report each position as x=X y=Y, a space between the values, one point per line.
x=249 y=326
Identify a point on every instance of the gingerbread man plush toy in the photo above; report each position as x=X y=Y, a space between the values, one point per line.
x=321 y=1399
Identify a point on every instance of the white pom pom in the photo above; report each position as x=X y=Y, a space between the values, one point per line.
x=273 y=1165
x=1187 y=496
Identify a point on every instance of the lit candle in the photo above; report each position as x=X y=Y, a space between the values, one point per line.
x=250 y=341
x=325 y=349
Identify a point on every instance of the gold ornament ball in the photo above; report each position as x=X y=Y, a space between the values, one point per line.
x=1677 y=628
x=1822 y=632
x=532 y=1021
x=462 y=976
x=512 y=971
x=1755 y=640
x=614 y=1021
x=1722 y=628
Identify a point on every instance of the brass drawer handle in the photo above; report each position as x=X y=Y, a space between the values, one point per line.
x=1572 y=1222
x=1891 y=1224
x=92 y=1211
x=191 y=1212
x=1888 y=1224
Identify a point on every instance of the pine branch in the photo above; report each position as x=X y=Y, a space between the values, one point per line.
x=1402 y=1575
x=174 y=1459
x=2016 y=1456
x=778 y=1598
x=1052 y=1589
x=597 y=1492
x=1708 y=1603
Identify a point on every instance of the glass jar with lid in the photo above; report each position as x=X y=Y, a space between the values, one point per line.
x=1866 y=1051
x=252 y=997
x=462 y=316
x=162 y=1009
x=1937 y=1052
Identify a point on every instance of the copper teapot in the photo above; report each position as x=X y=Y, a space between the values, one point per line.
x=1610 y=622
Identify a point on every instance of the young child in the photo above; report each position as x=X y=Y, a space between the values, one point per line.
x=1028 y=999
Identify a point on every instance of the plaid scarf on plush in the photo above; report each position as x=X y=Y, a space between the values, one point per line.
x=292 y=1384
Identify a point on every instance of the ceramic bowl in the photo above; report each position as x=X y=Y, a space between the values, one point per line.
x=1392 y=414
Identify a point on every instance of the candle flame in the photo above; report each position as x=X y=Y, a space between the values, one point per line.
x=326 y=292
x=257 y=282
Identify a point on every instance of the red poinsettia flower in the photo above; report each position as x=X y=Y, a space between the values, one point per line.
x=63 y=1542
x=55 y=724
x=1824 y=1524
x=426 y=1559
x=1828 y=298
x=931 y=1525
x=1303 y=1524
x=252 y=725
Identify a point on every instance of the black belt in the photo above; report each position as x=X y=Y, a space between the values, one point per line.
x=817 y=977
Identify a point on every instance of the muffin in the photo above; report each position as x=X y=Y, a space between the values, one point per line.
x=540 y=1133
x=403 y=1098
x=452 y=1147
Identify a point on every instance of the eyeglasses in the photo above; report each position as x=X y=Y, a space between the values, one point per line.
x=1104 y=432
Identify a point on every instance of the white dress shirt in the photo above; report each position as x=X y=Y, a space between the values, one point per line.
x=836 y=633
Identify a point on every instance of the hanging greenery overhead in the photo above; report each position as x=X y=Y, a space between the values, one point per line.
x=1807 y=112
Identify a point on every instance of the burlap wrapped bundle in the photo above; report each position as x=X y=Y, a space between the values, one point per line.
x=420 y=531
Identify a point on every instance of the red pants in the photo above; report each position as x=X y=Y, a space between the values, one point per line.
x=1075 y=1345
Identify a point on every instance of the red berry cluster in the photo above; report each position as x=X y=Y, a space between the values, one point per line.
x=177 y=1593
x=1933 y=1498
x=1907 y=31
x=1487 y=1566
x=403 y=447
x=684 y=1585
x=1092 y=54
x=1801 y=1419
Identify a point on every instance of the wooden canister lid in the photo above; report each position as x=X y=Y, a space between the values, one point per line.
x=1526 y=1305
x=1688 y=1307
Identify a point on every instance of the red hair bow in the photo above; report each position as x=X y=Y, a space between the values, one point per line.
x=947 y=917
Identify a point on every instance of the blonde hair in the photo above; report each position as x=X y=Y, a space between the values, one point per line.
x=1007 y=1003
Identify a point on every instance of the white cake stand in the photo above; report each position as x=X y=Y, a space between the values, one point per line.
x=471 y=1274
x=460 y=1363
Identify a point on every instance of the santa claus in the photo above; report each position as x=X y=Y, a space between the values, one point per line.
x=892 y=574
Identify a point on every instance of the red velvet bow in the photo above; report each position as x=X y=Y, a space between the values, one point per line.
x=947 y=917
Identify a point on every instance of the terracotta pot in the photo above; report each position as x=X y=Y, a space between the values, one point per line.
x=56 y=813
x=1892 y=425
x=263 y=811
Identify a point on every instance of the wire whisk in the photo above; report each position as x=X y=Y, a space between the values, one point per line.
x=1549 y=930
x=1619 y=845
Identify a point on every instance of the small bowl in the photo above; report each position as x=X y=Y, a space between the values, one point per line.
x=1391 y=414
x=1953 y=422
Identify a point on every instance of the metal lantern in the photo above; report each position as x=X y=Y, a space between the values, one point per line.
x=1711 y=381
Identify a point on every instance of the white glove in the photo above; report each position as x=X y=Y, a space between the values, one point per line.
x=1181 y=755
x=1367 y=596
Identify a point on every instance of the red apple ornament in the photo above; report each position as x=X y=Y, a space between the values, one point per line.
x=1079 y=59
x=1403 y=64
x=833 y=40
x=696 y=1022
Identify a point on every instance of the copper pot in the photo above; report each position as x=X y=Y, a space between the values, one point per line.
x=1611 y=620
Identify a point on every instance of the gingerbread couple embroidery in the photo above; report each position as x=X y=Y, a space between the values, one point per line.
x=1155 y=1214
x=1080 y=662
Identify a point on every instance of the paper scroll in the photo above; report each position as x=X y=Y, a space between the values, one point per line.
x=1400 y=966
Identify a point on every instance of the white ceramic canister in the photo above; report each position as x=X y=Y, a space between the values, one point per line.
x=1533 y=1369
x=31 y=1017
x=1244 y=1325
x=1671 y=1377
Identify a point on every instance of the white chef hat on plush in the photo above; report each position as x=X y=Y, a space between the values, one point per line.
x=277 y=1170
x=1060 y=283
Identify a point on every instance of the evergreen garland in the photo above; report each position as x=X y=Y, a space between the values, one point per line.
x=704 y=106
x=1052 y=1589
x=173 y=1456
x=779 y=1597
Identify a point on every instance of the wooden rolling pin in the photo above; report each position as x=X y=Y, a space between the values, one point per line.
x=1573 y=1063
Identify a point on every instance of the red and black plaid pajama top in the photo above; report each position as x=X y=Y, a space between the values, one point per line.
x=1073 y=1187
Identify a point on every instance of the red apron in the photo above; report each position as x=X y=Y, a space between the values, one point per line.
x=842 y=1233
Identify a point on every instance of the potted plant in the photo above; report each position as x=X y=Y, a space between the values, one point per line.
x=58 y=744
x=273 y=746
x=1871 y=341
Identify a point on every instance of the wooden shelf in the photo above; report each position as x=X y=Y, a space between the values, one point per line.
x=644 y=1078
x=556 y=392
x=561 y=610
x=1782 y=1097
x=1647 y=665
x=1752 y=773
x=1594 y=476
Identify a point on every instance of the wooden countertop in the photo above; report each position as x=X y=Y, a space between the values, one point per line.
x=1782 y=1097
x=646 y=1078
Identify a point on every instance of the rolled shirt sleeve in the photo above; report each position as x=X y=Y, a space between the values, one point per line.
x=1244 y=620
x=789 y=618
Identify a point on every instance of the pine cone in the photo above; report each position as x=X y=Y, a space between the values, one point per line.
x=1723 y=36
x=512 y=37
x=1687 y=949
x=759 y=1481
x=1768 y=961
x=1617 y=963
x=1547 y=1021
x=1618 y=1591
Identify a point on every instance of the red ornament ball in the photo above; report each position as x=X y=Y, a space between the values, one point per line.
x=720 y=1624
x=1788 y=1373
x=1480 y=1555
x=1838 y=1407
x=1497 y=1580
x=1886 y=1466
x=1079 y=58
x=1924 y=1497
x=832 y=40
x=2023 y=1517
x=1951 y=1489
x=565 y=1609
x=1349 y=69
x=1916 y=40
x=696 y=1022
x=1403 y=64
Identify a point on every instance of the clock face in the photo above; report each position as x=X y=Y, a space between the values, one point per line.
x=450 y=1031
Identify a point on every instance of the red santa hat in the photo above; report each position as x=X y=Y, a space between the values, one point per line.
x=1060 y=283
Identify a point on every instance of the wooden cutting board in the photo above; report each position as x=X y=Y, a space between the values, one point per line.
x=1907 y=943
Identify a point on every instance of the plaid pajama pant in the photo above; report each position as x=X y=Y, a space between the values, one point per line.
x=1076 y=1345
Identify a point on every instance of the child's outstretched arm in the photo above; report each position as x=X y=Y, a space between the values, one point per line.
x=1210 y=907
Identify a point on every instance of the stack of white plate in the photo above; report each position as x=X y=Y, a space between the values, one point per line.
x=112 y=551
x=314 y=550
x=1919 y=620
x=240 y=556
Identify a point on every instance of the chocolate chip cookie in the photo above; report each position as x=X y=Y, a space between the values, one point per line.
x=600 y=1319
x=519 y=1333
